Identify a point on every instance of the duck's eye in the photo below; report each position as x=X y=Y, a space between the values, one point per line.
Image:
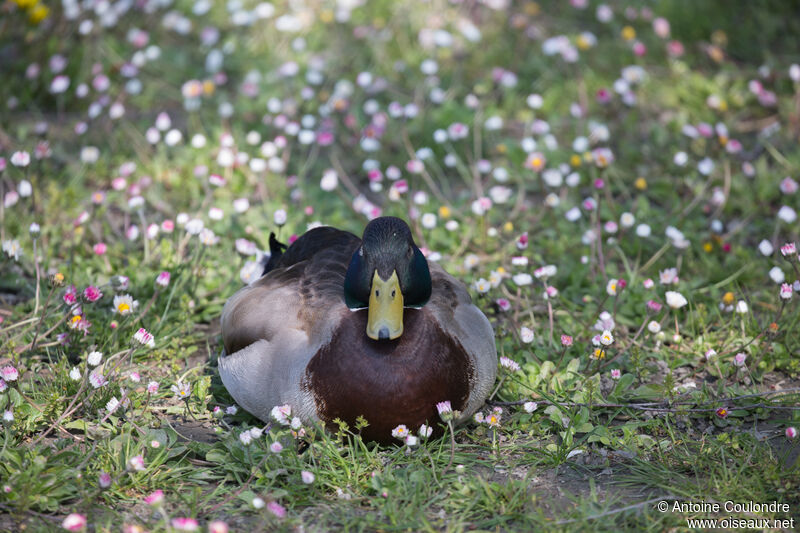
x=377 y=293
x=393 y=293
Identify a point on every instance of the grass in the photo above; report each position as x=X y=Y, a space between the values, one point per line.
x=627 y=152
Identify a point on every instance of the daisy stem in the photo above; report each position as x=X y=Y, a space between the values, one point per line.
x=165 y=516
x=794 y=266
x=18 y=324
x=498 y=386
x=32 y=345
x=561 y=359
x=144 y=231
x=452 y=444
x=36 y=267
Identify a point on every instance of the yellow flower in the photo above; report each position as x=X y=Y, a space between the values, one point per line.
x=628 y=33
x=640 y=183
x=25 y=4
x=501 y=148
x=728 y=298
x=208 y=87
x=535 y=161
x=38 y=14
x=575 y=160
x=326 y=16
x=598 y=354
x=720 y=38
x=444 y=211
x=532 y=8
x=508 y=227
x=708 y=247
x=716 y=53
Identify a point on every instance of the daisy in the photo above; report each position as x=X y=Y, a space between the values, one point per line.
x=786 y=291
x=493 y=419
x=510 y=364
x=9 y=373
x=675 y=299
x=218 y=526
x=97 y=379
x=94 y=358
x=155 y=498
x=277 y=509
x=142 y=336
x=522 y=279
x=526 y=335
x=74 y=522
x=163 y=279
x=182 y=390
x=112 y=404
x=281 y=413
x=12 y=248
x=482 y=286
x=136 y=463
x=611 y=287
x=496 y=277
x=124 y=304
x=184 y=524
x=400 y=432
x=445 y=410
x=668 y=276
x=20 y=159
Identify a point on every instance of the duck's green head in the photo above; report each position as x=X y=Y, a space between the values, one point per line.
x=387 y=273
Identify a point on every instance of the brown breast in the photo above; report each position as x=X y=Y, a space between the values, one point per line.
x=388 y=382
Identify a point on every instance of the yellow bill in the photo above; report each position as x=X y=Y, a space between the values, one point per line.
x=385 y=314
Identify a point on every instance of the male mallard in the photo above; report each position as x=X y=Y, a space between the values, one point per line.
x=339 y=327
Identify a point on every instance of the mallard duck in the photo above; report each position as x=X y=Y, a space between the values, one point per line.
x=342 y=327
